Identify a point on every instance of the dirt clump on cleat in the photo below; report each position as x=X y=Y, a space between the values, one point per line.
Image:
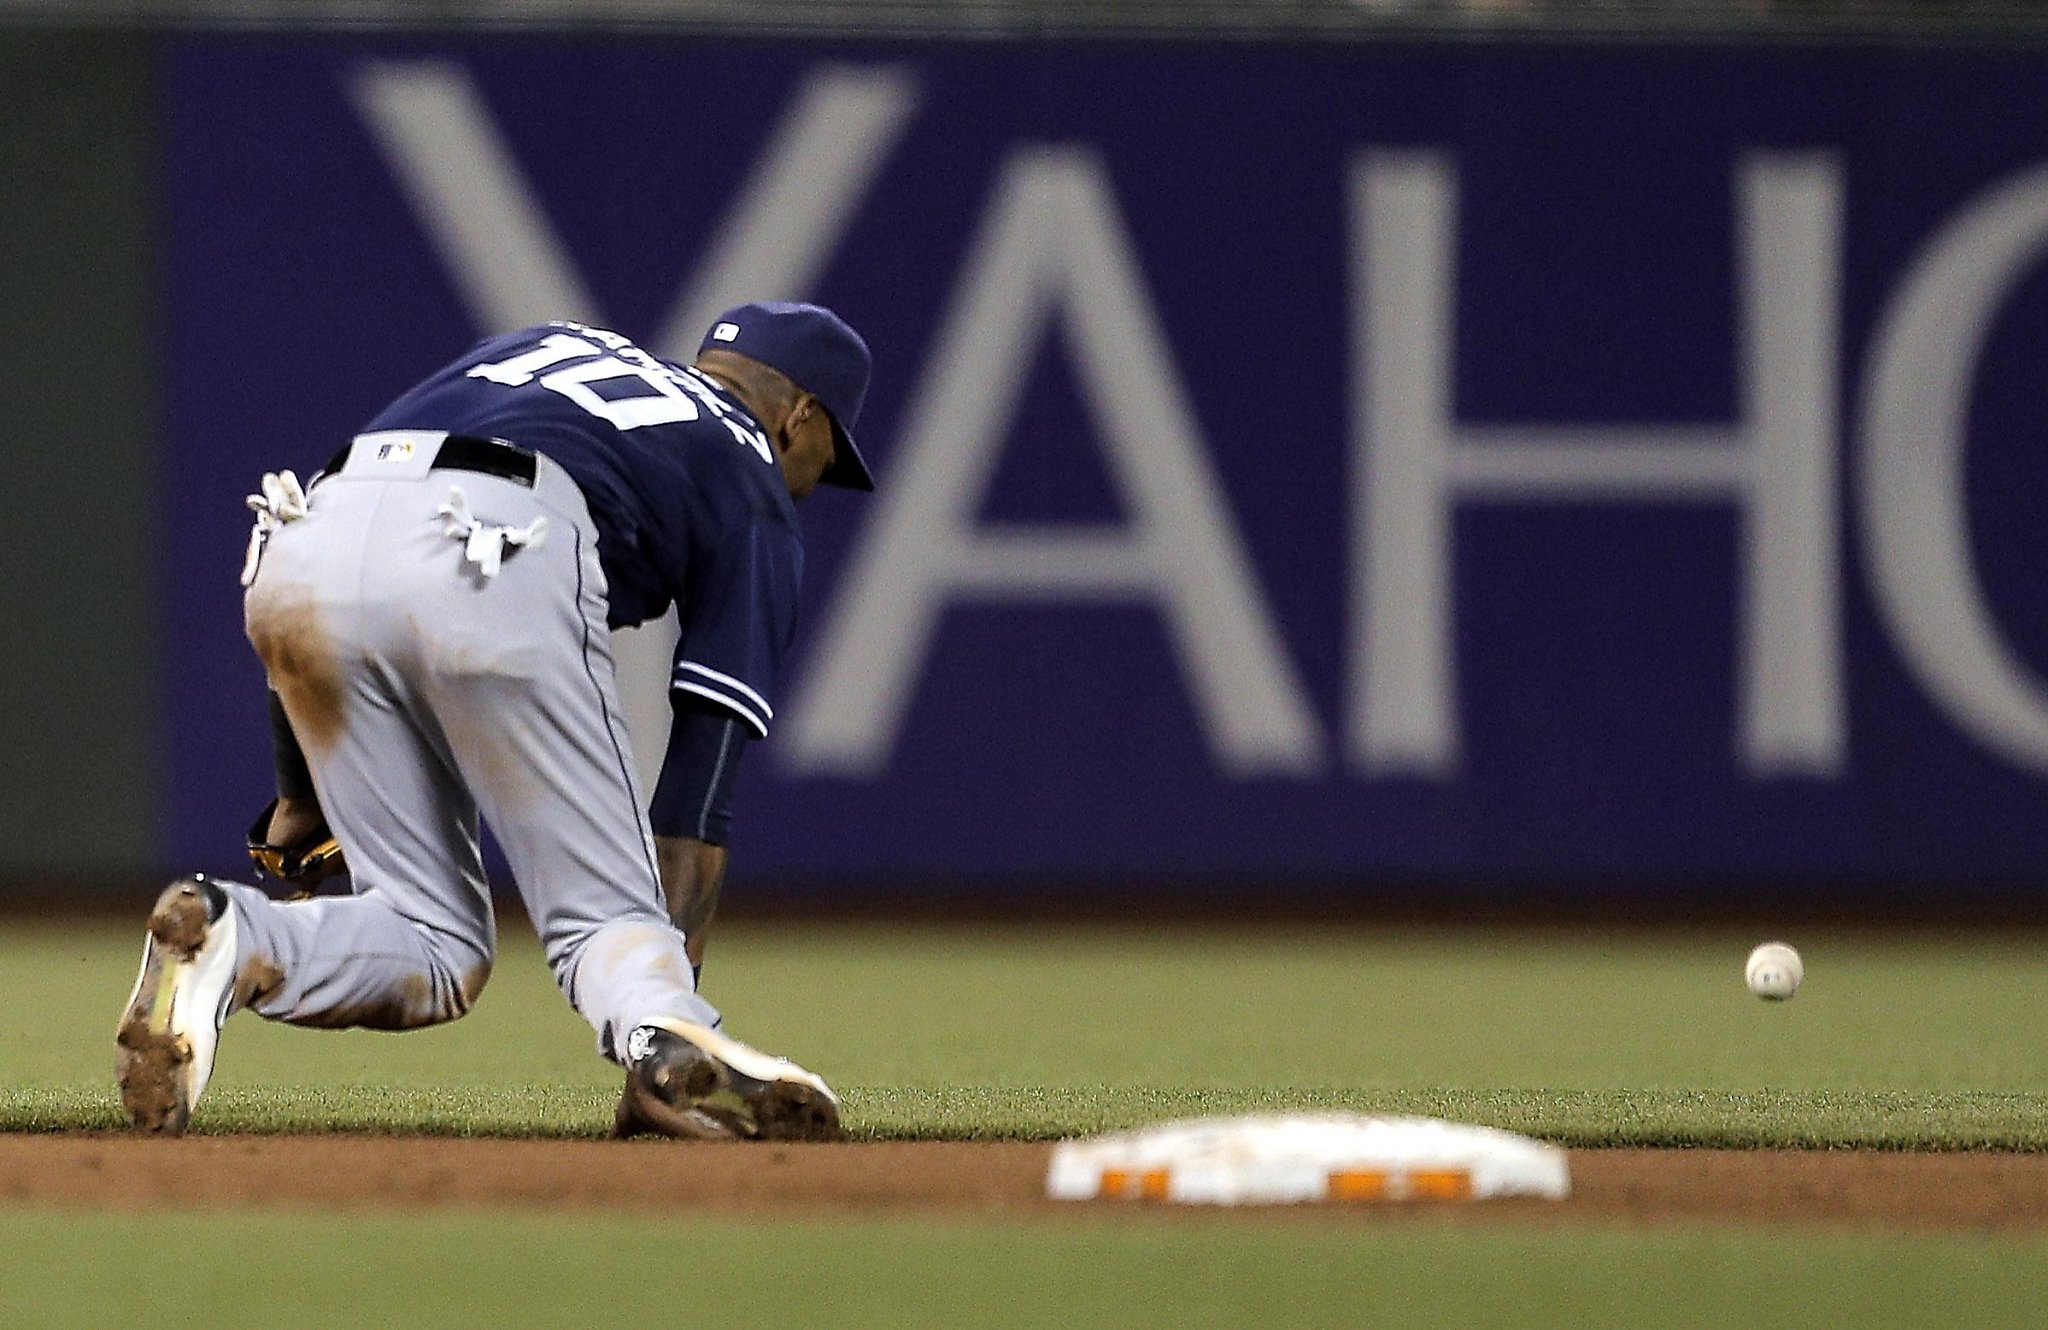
x=164 y=1046
x=693 y=1083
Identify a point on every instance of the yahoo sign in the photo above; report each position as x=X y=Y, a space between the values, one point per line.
x=1534 y=464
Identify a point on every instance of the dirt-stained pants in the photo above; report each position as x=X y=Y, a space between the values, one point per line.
x=422 y=690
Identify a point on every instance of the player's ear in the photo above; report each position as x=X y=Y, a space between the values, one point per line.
x=800 y=408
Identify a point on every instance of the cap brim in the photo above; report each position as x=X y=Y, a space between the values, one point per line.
x=849 y=470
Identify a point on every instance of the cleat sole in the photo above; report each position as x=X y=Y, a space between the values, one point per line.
x=790 y=1111
x=761 y=1097
x=151 y=1063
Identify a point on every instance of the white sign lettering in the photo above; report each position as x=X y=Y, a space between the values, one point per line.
x=1051 y=245
x=1413 y=462
x=1052 y=249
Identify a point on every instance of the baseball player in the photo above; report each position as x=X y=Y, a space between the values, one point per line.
x=432 y=613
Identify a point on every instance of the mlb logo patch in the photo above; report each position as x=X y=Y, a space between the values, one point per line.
x=395 y=452
x=725 y=332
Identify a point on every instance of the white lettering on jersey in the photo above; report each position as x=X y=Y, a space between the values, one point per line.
x=679 y=394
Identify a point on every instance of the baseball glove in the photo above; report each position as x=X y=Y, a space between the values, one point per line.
x=308 y=860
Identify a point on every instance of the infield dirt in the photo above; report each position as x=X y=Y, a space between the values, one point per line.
x=1922 y=1191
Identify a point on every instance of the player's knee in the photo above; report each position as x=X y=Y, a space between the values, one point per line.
x=443 y=993
x=451 y=990
x=469 y=985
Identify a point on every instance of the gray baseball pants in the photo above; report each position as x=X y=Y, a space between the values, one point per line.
x=423 y=691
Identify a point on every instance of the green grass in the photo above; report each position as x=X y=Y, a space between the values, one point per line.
x=1903 y=1041
x=311 y=1271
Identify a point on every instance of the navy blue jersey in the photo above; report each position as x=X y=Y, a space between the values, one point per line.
x=685 y=490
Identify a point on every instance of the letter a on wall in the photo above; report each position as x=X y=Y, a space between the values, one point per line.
x=1051 y=245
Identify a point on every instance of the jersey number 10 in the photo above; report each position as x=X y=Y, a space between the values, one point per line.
x=676 y=396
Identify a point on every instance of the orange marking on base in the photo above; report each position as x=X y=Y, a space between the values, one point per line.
x=1152 y=1184
x=1448 y=1184
x=1115 y=1182
x=1358 y=1184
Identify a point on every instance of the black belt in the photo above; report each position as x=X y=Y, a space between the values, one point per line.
x=469 y=452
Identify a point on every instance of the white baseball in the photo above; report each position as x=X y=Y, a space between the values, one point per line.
x=1774 y=971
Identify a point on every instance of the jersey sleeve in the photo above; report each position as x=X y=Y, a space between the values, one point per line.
x=738 y=612
x=693 y=798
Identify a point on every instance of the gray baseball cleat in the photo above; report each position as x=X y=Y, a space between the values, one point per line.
x=692 y=1082
x=164 y=1048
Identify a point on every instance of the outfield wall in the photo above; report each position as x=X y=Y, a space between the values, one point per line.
x=1331 y=463
x=79 y=577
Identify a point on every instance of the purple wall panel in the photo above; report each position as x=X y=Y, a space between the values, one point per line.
x=1598 y=248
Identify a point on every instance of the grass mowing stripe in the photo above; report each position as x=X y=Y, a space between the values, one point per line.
x=1833 y=1120
x=484 y=1270
x=1887 y=1121
x=1899 y=1041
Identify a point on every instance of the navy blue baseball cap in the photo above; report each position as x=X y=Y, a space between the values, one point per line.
x=821 y=354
